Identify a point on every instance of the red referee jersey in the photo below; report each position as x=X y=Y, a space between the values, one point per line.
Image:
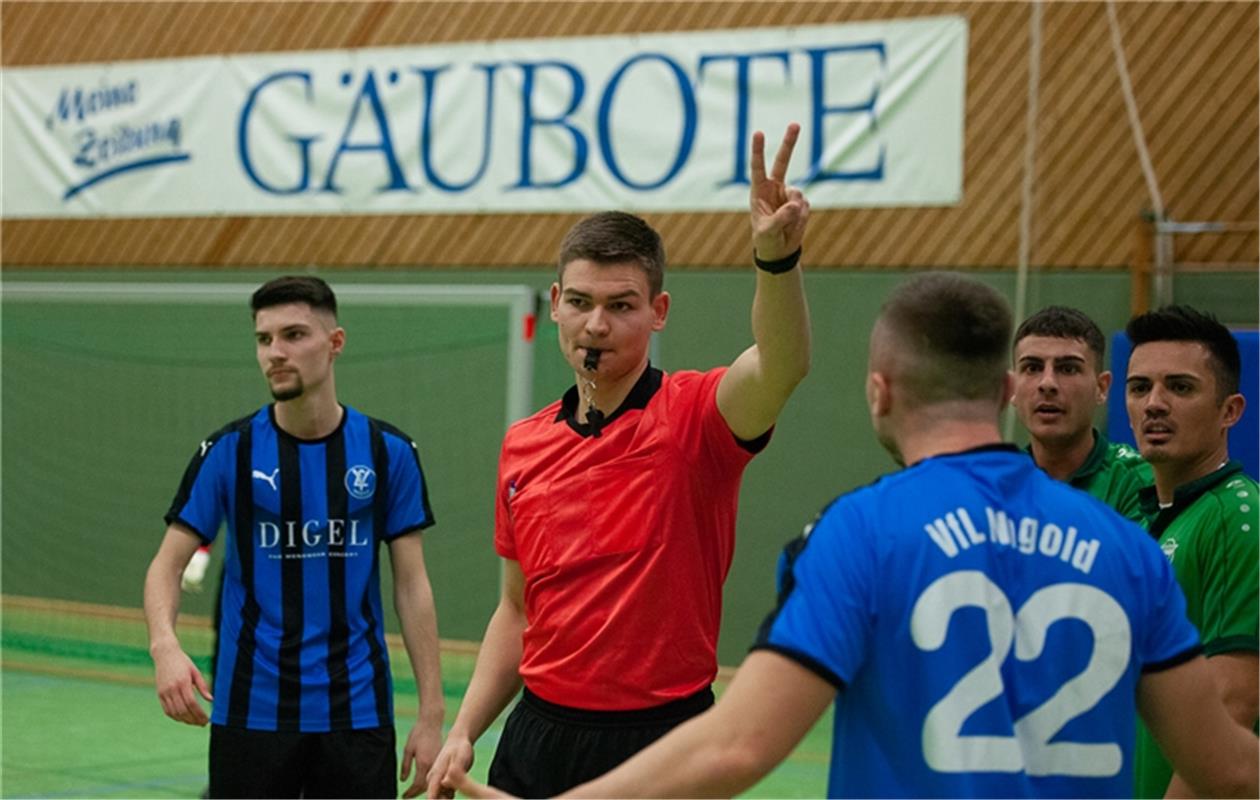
x=624 y=539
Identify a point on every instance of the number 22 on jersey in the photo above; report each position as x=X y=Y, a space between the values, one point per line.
x=1030 y=749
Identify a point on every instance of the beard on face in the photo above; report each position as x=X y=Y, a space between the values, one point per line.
x=288 y=392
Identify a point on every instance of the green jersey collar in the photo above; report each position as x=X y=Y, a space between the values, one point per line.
x=1183 y=497
x=1093 y=462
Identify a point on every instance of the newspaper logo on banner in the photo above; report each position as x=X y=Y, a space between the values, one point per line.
x=107 y=133
x=650 y=122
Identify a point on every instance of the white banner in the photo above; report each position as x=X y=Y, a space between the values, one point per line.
x=657 y=122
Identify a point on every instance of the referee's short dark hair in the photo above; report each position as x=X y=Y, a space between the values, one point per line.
x=295 y=289
x=1180 y=323
x=1063 y=322
x=949 y=335
x=615 y=237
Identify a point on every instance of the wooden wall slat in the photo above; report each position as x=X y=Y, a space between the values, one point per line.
x=1194 y=68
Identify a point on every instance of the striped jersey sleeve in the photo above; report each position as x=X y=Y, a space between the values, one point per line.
x=201 y=501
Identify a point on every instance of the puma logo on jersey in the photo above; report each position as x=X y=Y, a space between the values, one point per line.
x=270 y=479
x=205 y=447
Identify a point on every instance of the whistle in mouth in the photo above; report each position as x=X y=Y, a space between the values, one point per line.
x=592 y=359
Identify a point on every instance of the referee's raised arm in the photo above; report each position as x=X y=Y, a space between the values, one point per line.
x=759 y=382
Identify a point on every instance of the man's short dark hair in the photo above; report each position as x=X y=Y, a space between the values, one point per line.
x=295 y=289
x=1063 y=322
x=1181 y=323
x=949 y=335
x=615 y=237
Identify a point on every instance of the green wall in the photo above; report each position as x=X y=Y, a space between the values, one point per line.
x=103 y=405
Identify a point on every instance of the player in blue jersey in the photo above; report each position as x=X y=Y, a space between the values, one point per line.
x=983 y=629
x=309 y=490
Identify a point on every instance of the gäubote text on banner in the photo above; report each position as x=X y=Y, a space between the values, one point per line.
x=657 y=122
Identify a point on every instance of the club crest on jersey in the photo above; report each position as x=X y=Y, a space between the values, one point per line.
x=1170 y=548
x=360 y=481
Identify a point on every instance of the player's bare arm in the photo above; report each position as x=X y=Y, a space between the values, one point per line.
x=1212 y=753
x=759 y=382
x=771 y=704
x=177 y=678
x=413 y=599
x=1236 y=676
x=495 y=681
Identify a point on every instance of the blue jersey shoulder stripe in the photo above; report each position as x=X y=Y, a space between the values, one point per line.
x=194 y=469
x=386 y=428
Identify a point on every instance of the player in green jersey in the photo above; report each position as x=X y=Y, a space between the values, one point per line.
x=1059 y=385
x=1182 y=398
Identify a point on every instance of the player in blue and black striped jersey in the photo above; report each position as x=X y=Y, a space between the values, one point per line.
x=309 y=490
x=983 y=629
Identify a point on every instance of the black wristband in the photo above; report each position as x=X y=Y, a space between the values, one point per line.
x=784 y=264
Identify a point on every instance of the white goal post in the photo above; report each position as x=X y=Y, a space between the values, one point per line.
x=520 y=301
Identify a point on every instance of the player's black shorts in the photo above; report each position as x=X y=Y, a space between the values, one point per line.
x=547 y=748
x=245 y=763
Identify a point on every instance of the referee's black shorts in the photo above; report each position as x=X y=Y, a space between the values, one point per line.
x=547 y=749
x=246 y=763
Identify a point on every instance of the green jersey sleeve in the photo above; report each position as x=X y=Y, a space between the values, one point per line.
x=1230 y=576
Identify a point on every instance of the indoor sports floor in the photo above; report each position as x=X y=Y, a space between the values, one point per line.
x=79 y=718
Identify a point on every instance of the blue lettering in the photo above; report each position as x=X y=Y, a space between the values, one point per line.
x=818 y=60
x=85 y=143
x=93 y=148
x=79 y=105
x=529 y=121
x=426 y=130
x=303 y=142
x=688 y=97
x=739 y=176
x=385 y=145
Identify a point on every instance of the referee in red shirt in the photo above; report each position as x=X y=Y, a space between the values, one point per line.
x=615 y=506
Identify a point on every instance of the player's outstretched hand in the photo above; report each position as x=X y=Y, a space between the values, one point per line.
x=455 y=756
x=176 y=678
x=470 y=788
x=778 y=212
x=423 y=744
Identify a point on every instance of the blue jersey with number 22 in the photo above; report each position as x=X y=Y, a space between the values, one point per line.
x=986 y=626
